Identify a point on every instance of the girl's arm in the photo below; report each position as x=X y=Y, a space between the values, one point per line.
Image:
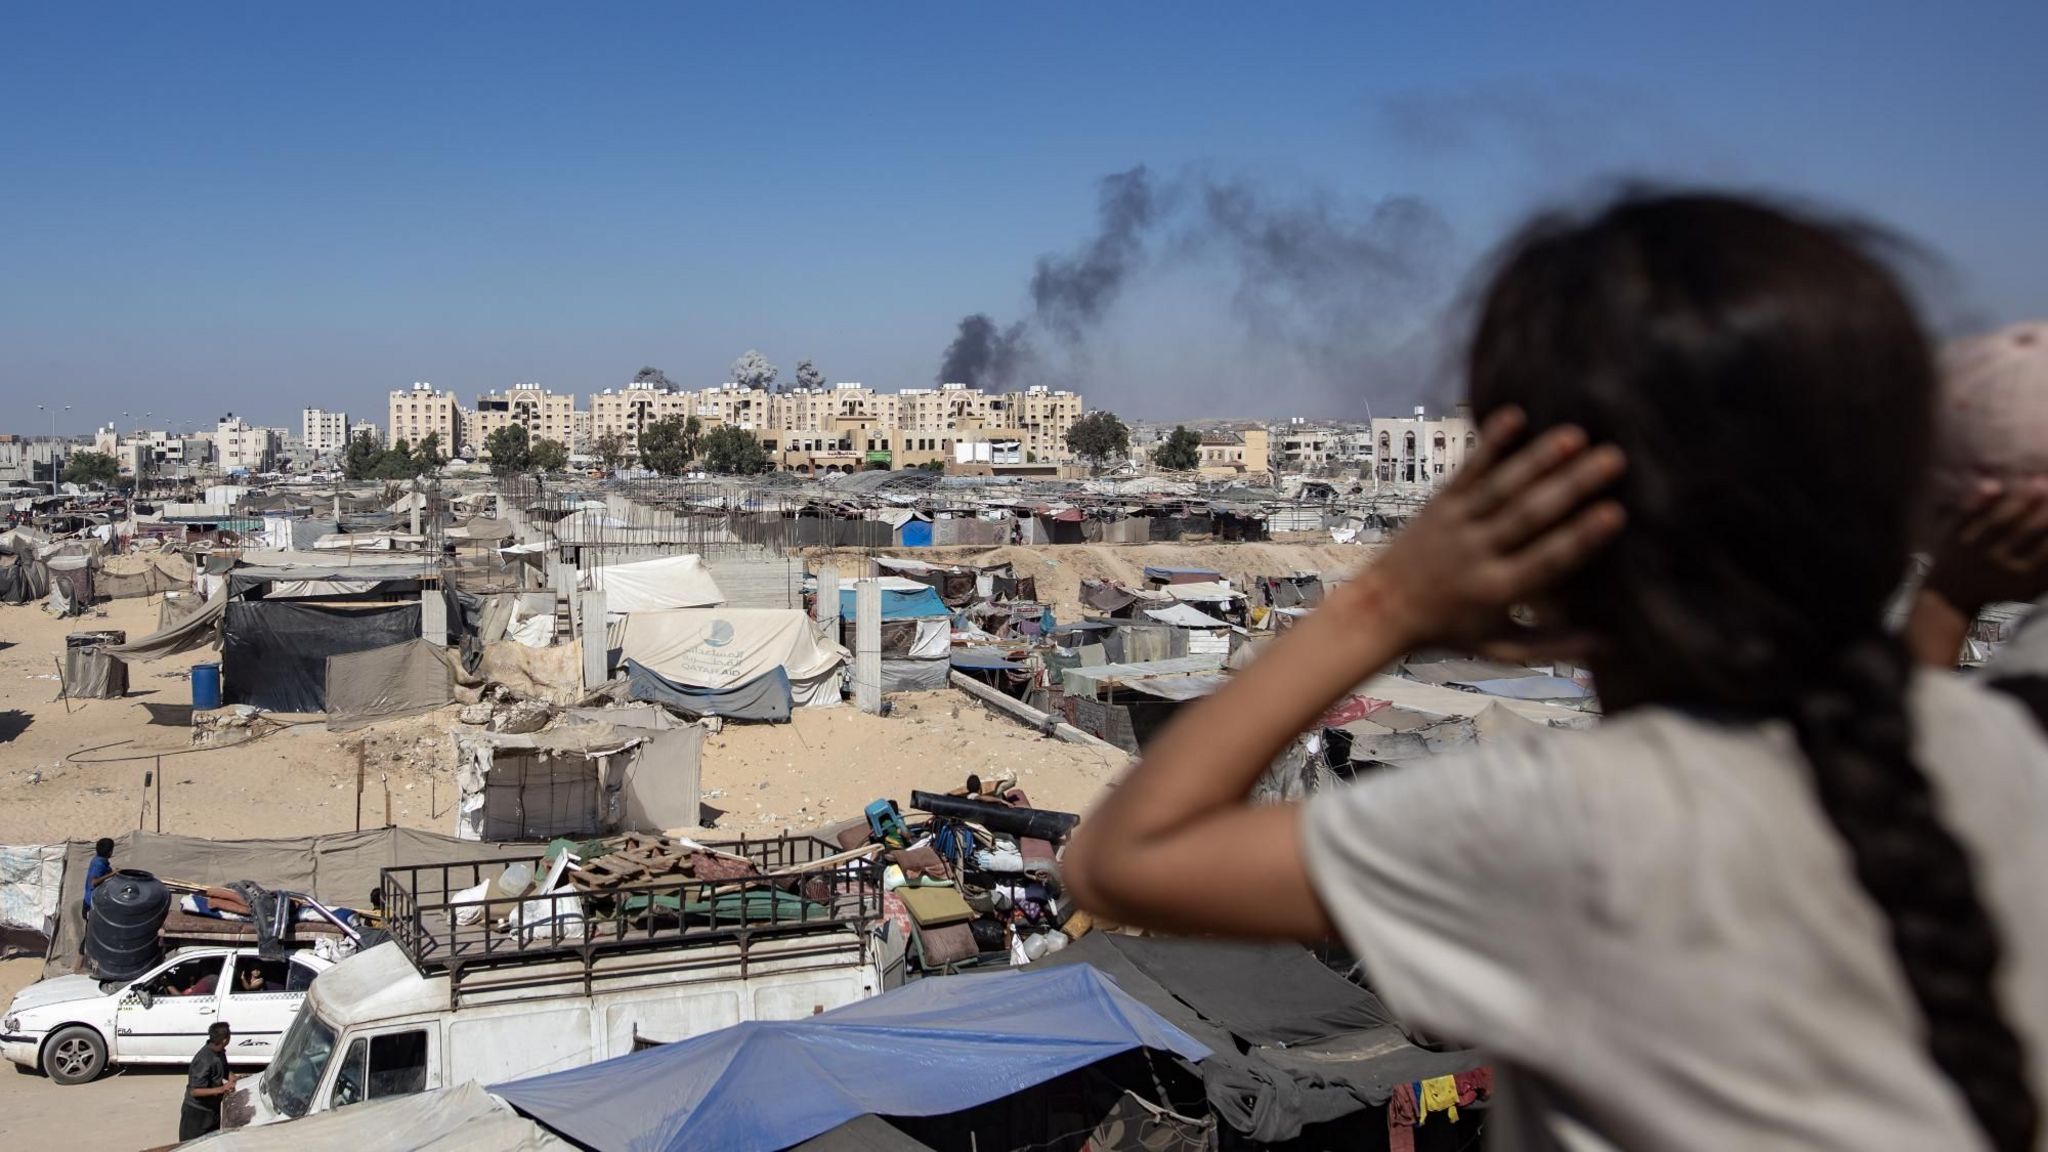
x=1177 y=847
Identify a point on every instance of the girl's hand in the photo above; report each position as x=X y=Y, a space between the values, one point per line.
x=1998 y=549
x=1507 y=527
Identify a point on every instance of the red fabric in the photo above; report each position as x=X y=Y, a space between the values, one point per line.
x=1352 y=708
x=1474 y=1084
x=1401 y=1119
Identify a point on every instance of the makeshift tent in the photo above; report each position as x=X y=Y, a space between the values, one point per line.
x=274 y=652
x=766 y=697
x=579 y=777
x=1529 y=687
x=31 y=887
x=1183 y=616
x=198 y=629
x=726 y=647
x=654 y=585
x=464 y=1118
x=341 y=869
x=917 y=637
x=926 y=1049
x=90 y=671
x=896 y=604
x=1207 y=592
x=1290 y=1042
x=144 y=574
x=385 y=683
x=23 y=579
x=1165 y=575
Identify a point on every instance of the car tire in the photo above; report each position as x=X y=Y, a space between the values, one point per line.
x=75 y=1055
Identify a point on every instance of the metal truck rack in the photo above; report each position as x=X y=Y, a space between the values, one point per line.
x=804 y=887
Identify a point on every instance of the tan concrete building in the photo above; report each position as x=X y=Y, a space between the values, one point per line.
x=423 y=410
x=324 y=433
x=545 y=415
x=627 y=410
x=1042 y=417
x=1240 y=453
x=1422 y=451
x=239 y=446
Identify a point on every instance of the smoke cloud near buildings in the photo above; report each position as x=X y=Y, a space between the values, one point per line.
x=1348 y=293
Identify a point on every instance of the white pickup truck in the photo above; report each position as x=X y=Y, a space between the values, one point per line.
x=73 y=1027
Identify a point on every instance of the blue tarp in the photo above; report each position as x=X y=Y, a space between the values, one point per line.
x=896 y=605
x=1529 y=688
x=926 y=1049
x=765 y=697
x=915 y=534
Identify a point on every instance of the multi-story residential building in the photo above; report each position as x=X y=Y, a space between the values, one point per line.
x=545 y=415
x=579 y=430
x=239 y=446
x=625 y=411
x=32 y=460
x=1042 y=417
x=368 y=428
x=1227 y=453
x=423 y=410
x=323 y=433
x=1420 y=450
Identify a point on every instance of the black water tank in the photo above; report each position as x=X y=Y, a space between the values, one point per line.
x=121 y=934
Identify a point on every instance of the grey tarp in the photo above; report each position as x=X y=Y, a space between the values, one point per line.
x=198 y=630
x=337 y=869
x=385 y=683
x=661 y=787
x=464 y=1118
x=905 y=674
x=90 y=673
x=766 y=697
x=1225 y=994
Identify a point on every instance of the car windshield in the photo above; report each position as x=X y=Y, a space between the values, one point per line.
x=294 y=1074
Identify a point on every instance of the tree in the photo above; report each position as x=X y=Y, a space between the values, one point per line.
x=753 y=370
x=92 y=468
x=669 y=444
x=426 y=456
x=360 y=459
x=1180 y=452
x=808 y=377
x=547 y=456
x=652 y=375
x=510 y=450
x=1099 y=438
x=734 y=451
x=612 y=450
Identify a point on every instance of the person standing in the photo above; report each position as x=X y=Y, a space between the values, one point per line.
x=96 y=873
x=208 y=1081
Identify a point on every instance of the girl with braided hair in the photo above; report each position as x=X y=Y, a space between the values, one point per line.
x=1789 y=894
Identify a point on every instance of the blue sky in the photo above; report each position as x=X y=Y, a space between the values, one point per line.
x=252 y=207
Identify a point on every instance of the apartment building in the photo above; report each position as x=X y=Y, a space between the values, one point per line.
x=424 y=410
x=323 y=432
x=1042 y=416
x=545 y=415
x=368 y=428
x=1422 y=450
x=625 y=411
x=239 y=446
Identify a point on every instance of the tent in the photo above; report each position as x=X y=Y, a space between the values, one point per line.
x=583 y=776
x=377 y=684
x=464 y=1118
x=765 y=697
x=897 y=603
x=917 y=637
x=274 y=652
x=926 y=1049
x=1290 y=1042
x=726 y=647
x=654 y=585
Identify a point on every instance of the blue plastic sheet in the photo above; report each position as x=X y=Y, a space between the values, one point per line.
x=926 y=1049
x=898 y=605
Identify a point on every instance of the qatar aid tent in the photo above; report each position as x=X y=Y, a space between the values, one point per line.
x=927 y=1049
x=725 y=648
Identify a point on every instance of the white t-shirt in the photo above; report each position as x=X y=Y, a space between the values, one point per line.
x=1656 y=931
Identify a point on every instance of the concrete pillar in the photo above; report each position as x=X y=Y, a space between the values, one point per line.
x=867 y=645
x=597 y=668
x=434 y=616
x=826 y=610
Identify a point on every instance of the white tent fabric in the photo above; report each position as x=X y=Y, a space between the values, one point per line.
x=1183 y=616
x=1206 y=592
x=464 y=1118
x=657 y=585
x=31 y=885
x=721 y=647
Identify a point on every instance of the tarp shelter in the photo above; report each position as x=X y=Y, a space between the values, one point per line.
x=726 y=647
x=341 y=869
x=917 y=637
x=464 y=1118
x=31 y=888
x=656 y=585
x=1290 y=1042
x=577 y=778
x=1529 y=688
x=926 y=1049
x=23 y=579
x=378 y=684
x=198 y=629
x=1207 y=592
x=1164 y=575
x=766 y=697
x=274 y=652
x=1182 y=616
x=143 y=574
x=897 y=604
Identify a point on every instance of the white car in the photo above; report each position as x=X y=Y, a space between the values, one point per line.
x=73 y=1027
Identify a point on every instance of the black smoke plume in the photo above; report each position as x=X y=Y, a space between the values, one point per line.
x=982 y=355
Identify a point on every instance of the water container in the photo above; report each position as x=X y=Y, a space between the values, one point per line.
x=205 y=690
x=513 y=880
x=121 y=934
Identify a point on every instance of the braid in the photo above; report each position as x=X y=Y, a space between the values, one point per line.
x=1855 y=732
